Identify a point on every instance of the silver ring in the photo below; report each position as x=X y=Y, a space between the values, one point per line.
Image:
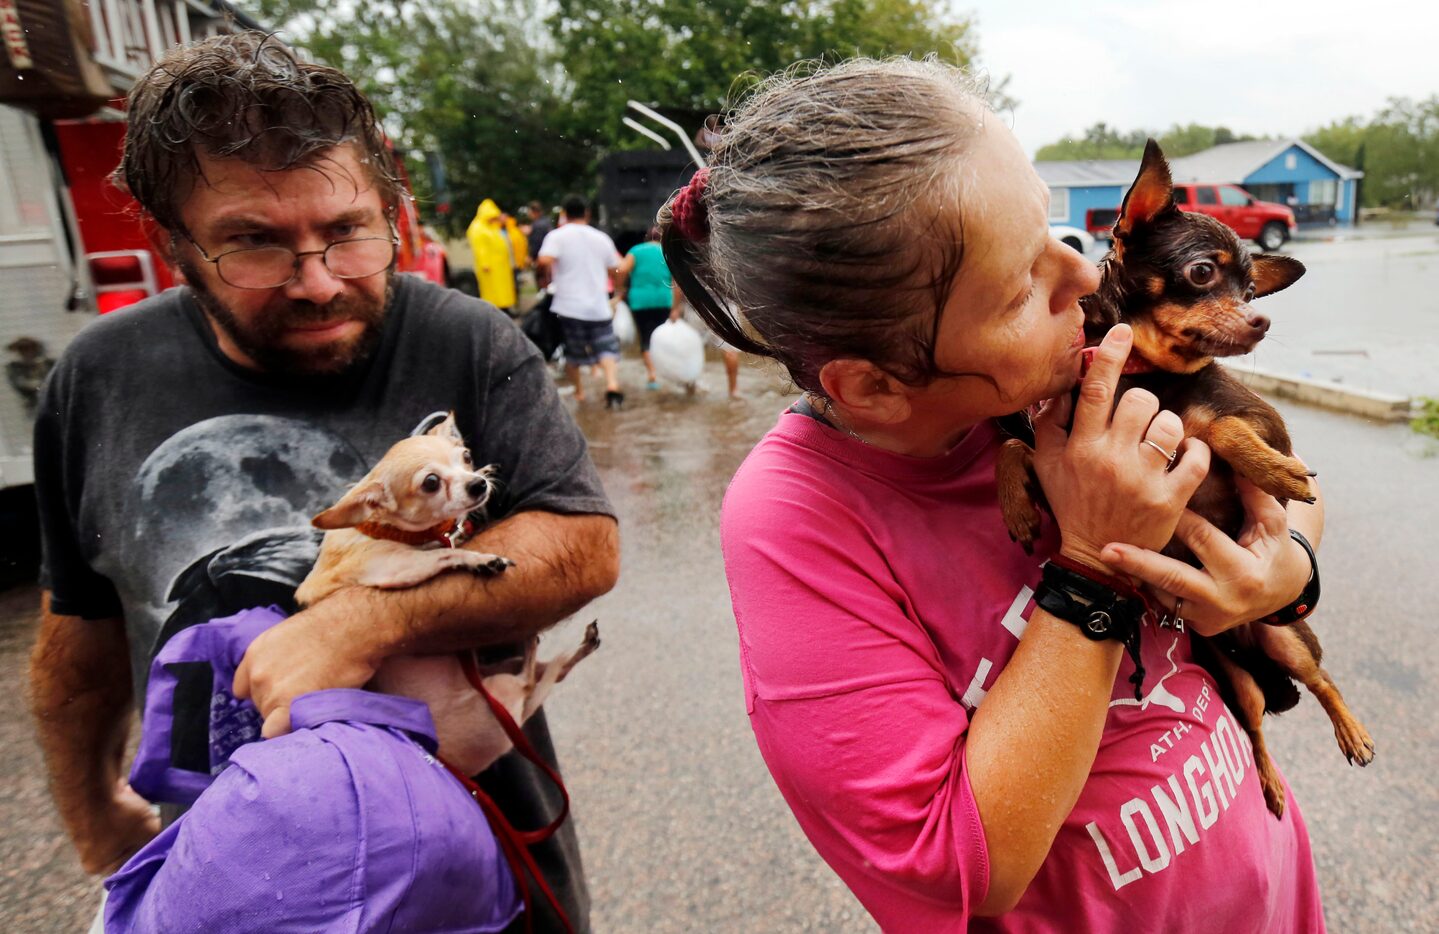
x=1168 y=456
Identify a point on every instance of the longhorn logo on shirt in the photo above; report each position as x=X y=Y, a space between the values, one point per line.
x=1158 y=693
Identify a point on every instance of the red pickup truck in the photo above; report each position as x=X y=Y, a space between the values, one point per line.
x=1267 y=224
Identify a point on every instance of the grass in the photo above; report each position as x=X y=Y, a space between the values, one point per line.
x=1427 y=421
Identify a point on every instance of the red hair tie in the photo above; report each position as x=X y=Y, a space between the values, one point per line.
x=688 y=211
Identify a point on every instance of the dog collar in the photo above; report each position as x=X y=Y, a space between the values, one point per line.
x=1133 y=365
x=1137 y=364
x=445 y=533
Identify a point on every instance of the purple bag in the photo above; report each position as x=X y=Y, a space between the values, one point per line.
x=348 y=823
x=192 y=723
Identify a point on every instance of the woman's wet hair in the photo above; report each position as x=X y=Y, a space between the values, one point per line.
x=243 y=96
x=826 y=225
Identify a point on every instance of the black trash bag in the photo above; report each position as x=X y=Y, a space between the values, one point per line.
x=542 y=327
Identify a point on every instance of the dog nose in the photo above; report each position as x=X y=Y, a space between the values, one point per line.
x=1258 y=323
x=476 y=488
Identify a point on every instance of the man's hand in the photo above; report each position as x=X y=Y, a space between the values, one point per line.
x=116 y=831
x=563 y=562
x=80 y=696
x=320 y=648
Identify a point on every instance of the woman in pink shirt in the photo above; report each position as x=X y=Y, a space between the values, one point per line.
x=964 y=759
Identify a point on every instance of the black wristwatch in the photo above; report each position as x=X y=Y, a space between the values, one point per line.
x=1102 y=607
x=1308 y=598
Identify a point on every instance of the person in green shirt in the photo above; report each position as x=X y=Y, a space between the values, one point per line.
x=644 y=283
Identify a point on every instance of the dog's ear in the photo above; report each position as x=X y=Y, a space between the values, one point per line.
x=1273 y=273
x=1151 y=195
x=448 y=430
x=356 y=506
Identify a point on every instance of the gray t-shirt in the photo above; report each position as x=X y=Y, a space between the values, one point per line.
x=176 y=486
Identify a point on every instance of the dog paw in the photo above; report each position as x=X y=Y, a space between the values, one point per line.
x=1273 y=792
x=1290 y=482
x=492 y=567
x=1274 y=800
x=1270 y=783
x=1355 y=743
x=1021 y=519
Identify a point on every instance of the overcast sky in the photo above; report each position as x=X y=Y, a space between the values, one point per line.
x=1275 y=67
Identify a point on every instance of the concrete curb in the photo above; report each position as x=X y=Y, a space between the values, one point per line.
x=1363 y=402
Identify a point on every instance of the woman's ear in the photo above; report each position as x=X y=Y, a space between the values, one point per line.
x=864 y=393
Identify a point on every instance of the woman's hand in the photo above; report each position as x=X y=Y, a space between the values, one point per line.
x=1104 y=483
x=1240 y=581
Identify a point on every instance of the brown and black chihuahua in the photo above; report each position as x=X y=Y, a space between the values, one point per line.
x=1183 y=282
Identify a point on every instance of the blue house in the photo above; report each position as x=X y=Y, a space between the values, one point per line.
x=1289 y=172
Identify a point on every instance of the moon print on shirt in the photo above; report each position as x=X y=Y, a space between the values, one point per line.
x=234 y=490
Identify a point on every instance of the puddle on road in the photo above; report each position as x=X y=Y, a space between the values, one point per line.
x=666 y=458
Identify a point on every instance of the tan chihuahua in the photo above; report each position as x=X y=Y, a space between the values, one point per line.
x=400 y=526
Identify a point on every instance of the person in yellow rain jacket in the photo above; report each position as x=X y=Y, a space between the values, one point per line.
x=494 y=268
x=519 y=248
x=519 y=243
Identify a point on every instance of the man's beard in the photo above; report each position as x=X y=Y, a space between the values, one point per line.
x=260 y=341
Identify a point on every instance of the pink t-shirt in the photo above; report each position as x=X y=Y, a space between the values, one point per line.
x=878 y=597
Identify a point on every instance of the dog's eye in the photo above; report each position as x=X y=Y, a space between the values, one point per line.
x=431 y=484
x=1249 y=293
x=465 y=455
x=1201 y=273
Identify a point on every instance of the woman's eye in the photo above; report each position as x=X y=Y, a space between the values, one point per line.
x=431 y=484
x=1201 y=274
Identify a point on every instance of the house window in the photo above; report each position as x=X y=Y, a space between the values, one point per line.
x=1059 y=204
x=1291 y=161
x=1324 y=191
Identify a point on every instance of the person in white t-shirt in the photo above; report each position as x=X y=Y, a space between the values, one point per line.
x=576 y=260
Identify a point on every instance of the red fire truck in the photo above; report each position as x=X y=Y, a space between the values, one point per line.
x=70 y=243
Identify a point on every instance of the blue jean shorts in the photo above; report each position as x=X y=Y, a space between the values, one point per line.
x=588 y=342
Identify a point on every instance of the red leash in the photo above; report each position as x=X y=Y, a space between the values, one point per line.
x=513 y=842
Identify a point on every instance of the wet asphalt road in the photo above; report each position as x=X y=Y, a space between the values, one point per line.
x=681 y=826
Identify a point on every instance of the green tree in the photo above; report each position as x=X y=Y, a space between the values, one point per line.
x=521 y=104
x=469 y=79
x=1400 y=152
x=690 y=58
x=1102 y=141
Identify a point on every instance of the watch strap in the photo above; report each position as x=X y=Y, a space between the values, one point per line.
x=1308 y=598
x=1100 y=606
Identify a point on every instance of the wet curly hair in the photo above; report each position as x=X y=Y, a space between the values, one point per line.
x=242 y=96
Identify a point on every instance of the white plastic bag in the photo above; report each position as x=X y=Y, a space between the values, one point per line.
x=678 y=352
x=624 y=325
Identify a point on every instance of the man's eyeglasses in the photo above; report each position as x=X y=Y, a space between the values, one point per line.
x=269 y=267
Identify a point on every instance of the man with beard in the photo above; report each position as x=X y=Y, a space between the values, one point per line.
x=249 y=399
